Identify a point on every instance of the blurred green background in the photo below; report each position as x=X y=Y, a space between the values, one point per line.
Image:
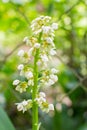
x=69 y=94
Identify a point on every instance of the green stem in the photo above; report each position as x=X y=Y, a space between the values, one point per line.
x=35 y=91
x=35 y=106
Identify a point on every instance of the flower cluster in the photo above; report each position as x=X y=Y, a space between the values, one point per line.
x=49 y=77
x=24 y=105
x=42 y=103
x=41 y=46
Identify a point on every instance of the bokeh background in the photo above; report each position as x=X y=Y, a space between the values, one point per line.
x=69 y=94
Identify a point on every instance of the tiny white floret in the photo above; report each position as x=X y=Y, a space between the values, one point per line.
x=55 y=26
x=26 y=39
x=44 y=58
x=54 y=77
x=52 y=52
x=20 y=67
x=37 y=45
x=19 y=106
x=42 y=94
x=46 y=29
x=51 y=107
x=29 y=75
x=49 y=40
x=30 y=51
x=16 y=82
x=21 y=53
x=54 y=71
x=30 y=82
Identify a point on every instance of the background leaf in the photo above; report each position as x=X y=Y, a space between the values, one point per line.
x=5 y=123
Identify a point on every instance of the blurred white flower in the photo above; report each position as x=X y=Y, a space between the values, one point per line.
x=37 y=45
x=46 y=29
x=51 y=107
x=16 y=82
x=21 y=53
x=31 y=82
x=20 y=67
x=22 y=87
x=52 y=52
x=55 y=26
x=26 y=40
x=54 y=71
x=37 y=24
x=44 y=57
x=54 y=77
x=42 y=94
x=50 y=82
x=40 y=100
x=29 y=75
x=49 y=40
x=24 y=105
x=30 y=51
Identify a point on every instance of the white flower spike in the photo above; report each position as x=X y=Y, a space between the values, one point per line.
x=41 y=50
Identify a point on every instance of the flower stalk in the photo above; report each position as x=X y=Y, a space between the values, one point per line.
x=35 y=92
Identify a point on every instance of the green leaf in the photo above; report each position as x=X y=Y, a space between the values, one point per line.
x=5 y=123
x=39 y=126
